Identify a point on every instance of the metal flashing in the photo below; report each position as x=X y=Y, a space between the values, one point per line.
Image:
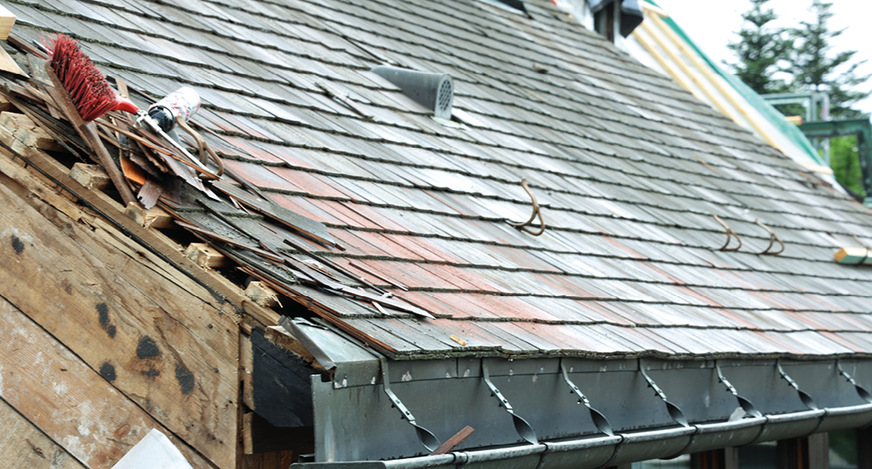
x=350 y=363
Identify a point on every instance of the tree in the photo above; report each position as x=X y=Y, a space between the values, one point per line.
x=846 y=166
x=815 y=67
x=760 y=49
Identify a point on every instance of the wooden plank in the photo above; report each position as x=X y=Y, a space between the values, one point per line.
x=66 y=399
x=163 y=344
x=248 y=433
x=22 y=444
x=455 y=440
x=246 y=371
x=7 y=20
x=8 y=64
x=158 y=246
x=853 y=256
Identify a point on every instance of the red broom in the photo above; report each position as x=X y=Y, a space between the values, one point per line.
x=86 y=86
x=87 y=97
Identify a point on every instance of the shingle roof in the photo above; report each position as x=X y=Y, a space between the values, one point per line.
x=627 y=167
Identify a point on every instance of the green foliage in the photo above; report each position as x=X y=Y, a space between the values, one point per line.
x=815 y=67
x=803 y=54
x=760 y=49
x=846 y=165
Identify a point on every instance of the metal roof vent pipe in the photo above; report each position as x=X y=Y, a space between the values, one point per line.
x=433 y=90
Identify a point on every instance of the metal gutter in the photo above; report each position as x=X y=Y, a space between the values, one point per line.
x=598 y=452
x=568 y=413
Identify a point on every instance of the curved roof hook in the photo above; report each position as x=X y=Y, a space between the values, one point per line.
x=772 y=238
x=537 y=212
x=730 y=235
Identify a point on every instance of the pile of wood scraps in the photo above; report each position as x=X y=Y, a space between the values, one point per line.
x=268 y=242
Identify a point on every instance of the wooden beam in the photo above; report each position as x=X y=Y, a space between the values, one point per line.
x=68 y=400
x=22 y=444
x=261 y=294
x=91 y=176
x=819 y=451
x=246 y=371
x=154 y=217
x=205 y=256
x=854 y=256
x=155 y=335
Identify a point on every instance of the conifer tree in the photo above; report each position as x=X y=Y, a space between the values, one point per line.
x=815 y=67
x=760 y=49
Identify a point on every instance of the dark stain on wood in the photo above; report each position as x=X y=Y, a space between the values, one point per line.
x=107 y=371
x=148 y=354
x=185 y=379
x=17 y=245
x=280 y=380
x=103 y=312
x=147 y=348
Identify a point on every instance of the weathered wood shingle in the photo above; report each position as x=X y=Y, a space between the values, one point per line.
x=627 y=167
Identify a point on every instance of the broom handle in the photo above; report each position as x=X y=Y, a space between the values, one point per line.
x=88 y=132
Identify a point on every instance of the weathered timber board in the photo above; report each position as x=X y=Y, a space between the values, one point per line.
x=22 y=444
x=157 y=246
x=67 y=400
x=162 y=344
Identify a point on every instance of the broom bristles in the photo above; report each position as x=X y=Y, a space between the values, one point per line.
x=86 y=85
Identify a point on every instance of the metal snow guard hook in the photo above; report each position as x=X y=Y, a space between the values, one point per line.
x=600 y=420
x=805 y=398
x=864 y=394
x=746 y=405
x=525 y=431
x=427 y=438
x=674 y=412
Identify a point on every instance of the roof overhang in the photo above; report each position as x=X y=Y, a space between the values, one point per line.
x=652 y=408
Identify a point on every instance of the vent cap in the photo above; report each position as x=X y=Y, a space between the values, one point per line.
x=435 y=91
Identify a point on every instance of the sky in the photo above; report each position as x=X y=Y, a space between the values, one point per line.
x=712 y=24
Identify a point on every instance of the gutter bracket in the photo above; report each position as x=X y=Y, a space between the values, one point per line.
x=427 y=438
x=803 y=396
x=674 y=411
x=525 y=431
x=745 y=404
x=599 y=420
x=861 y=391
